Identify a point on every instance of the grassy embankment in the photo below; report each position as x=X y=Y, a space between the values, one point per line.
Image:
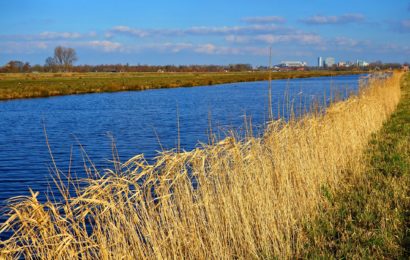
x=31 y=85
x=241 y=199
x=368 y=216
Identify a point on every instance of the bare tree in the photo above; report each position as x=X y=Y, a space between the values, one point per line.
x=50 y=64
x=64 y=57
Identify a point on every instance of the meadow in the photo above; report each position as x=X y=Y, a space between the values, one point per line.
x=30 y=85
x=281 y=195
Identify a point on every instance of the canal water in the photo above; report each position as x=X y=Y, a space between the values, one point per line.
x=137 y=122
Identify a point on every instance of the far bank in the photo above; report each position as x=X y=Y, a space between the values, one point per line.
x=32 y=85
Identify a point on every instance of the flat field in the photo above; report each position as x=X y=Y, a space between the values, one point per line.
x=30 y=85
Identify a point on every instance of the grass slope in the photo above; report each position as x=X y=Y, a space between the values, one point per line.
x=369 y=214
x=19 y=85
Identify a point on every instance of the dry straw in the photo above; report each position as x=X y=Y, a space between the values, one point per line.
x=235 y=199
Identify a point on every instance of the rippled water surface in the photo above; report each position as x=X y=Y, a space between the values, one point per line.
x=136 y=120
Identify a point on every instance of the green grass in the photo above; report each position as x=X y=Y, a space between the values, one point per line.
x=368 y=216
x=20 y=85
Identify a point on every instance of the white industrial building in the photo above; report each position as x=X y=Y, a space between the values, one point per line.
x=329 y=62
x=292 y=64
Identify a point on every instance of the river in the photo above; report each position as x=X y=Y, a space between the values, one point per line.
x=137 y=122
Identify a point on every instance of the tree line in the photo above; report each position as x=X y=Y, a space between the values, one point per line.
x=17 y=67
x=62 y=61
x=64 y=58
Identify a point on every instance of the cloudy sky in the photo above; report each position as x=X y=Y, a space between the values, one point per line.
x=205 y=31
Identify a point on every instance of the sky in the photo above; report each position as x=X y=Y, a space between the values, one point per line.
x=182 y=32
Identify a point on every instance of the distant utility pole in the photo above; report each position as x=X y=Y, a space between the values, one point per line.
x=270 y=86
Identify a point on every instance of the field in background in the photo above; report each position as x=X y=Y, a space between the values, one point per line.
x=30 y=85
x=250 y=198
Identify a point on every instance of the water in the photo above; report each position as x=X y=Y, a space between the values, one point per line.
x=136 y=120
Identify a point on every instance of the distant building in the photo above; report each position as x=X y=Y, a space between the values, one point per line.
x=292 y=64
x=329 y=62
x=320 y=62
x=362 y=63
x=405 y=68
x=341 y=64
x=350 y=64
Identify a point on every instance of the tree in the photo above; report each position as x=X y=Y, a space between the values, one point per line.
x=50 y=64
x=240 y=67
x=14 y=66
x=64 y=57
x=26 y=67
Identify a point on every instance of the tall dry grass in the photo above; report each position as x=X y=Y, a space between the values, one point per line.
x=236 y=199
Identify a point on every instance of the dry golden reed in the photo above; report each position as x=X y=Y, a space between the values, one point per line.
x=236 y=199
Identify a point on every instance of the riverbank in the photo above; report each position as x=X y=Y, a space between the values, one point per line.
x=236 y=199
x=368 y=216
x=20 y=85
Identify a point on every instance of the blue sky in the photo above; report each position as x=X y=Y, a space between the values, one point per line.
x=205 y=32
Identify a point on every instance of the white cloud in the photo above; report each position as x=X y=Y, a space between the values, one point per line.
x=23 y=47
x=341 y=19
x=404 y=25
x=345 y=42
x=393 y=48
x=49 y=36
x=401 y=26
x=60 y=35
x=106 y=46
x=168 y=47
x=193 y=31
x=238 y=38
x=178 y=47
x=212 y=49
x=297 y=38
x=41 y=45
x=264 y=19
x=233 y=29
x=130 y=31
x=205 y=48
